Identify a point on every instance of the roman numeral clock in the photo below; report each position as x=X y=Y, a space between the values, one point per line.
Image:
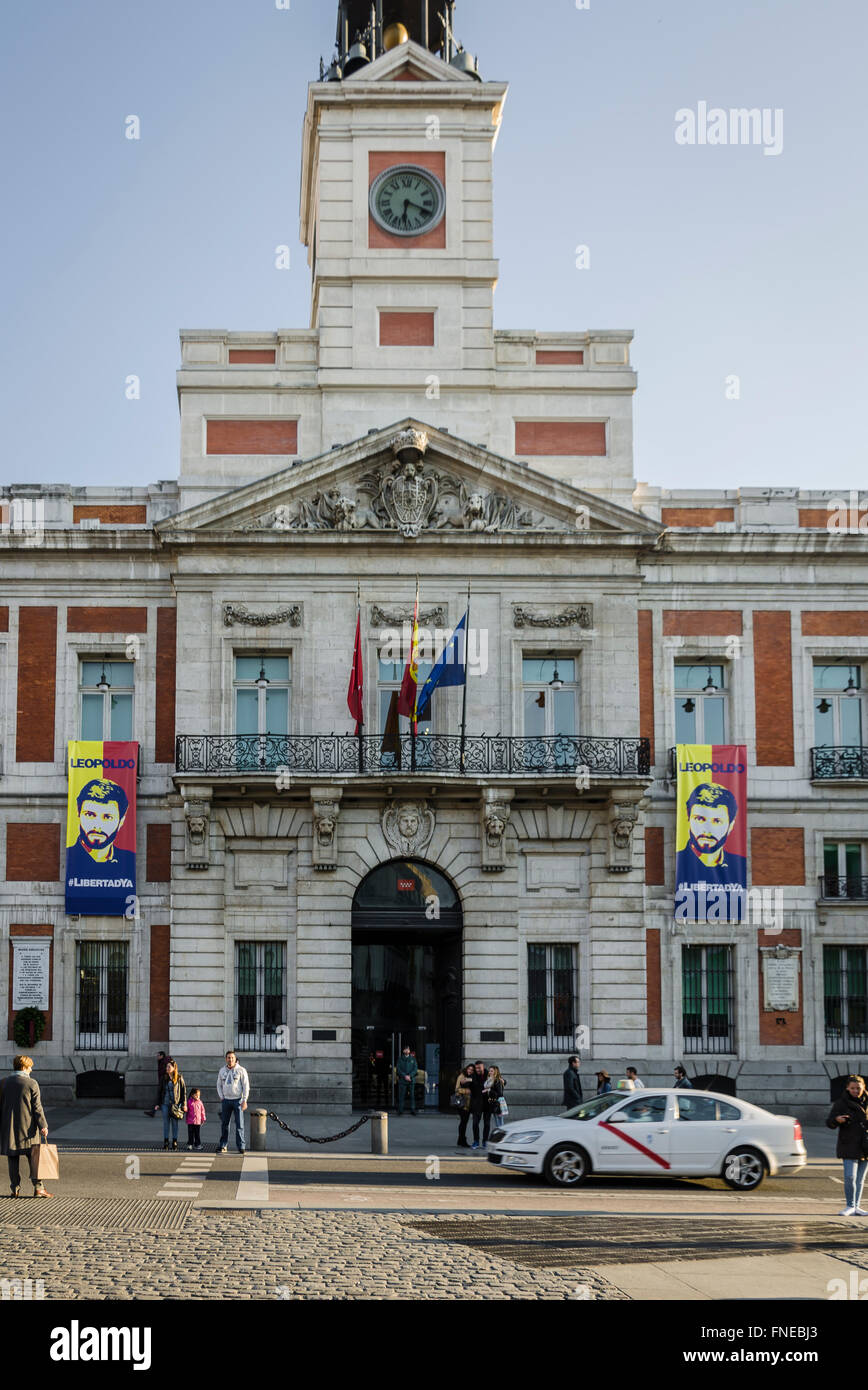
x=407 y=201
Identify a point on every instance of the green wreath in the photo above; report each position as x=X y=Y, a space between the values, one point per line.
x=21 y=1026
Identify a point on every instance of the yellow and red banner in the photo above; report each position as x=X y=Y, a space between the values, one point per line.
x=101 y=829
x=711 y=832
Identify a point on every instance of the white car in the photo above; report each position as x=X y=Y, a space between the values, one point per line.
x=654 y=1133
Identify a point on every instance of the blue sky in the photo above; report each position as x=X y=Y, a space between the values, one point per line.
x=723 y=260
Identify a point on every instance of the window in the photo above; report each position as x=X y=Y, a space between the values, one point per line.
x=108 y=713
x=700 y=717
x=260 y=991
x=648 y=1110
x=590 y=1109
x=101 y=996
x=844 y=871
x=550 y=710
x=707 y=998
x=552 y=997
x=697 y=1108
x=390 y=676
x=845 y=991
x=838 y=700
x=725 y=1111
x=262 y=686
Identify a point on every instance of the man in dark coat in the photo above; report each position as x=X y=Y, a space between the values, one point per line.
x=477 y=1098
x=572 y=1085
x=849 y=1116
x=22 y=1120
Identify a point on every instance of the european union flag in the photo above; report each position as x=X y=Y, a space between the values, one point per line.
x=450 y=668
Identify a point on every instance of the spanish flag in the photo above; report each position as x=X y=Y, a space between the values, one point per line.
x=409 y=685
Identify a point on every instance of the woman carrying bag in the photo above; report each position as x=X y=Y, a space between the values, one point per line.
x=461 y=1101
x=849 y=1115
x=495 y=1107
x=173 y=1102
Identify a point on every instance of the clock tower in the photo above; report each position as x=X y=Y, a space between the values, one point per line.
x=397 y=217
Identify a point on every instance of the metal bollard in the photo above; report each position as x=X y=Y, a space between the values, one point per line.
x=258 y=1120
x=380 y=1133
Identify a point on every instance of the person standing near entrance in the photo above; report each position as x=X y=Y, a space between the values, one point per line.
x=572 y=1084
x=407 y=1070
x=233 y=1088
x=173 y=1101
x=22 y=1121
x=478 y=1097
x=462 y=1089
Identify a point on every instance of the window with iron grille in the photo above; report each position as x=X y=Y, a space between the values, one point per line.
x=101 y=988
x=552 y=998
x=845 y=998
x=707 y=998
x=260 y=994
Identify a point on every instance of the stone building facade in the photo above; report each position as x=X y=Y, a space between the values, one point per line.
x=315 y=900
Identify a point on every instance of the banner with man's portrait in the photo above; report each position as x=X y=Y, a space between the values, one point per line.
x=711 y=832
x=101 y=829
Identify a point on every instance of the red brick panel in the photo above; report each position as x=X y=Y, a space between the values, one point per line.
x=773 y=689
x=106 y=619
x=252 y=437
x=37 y=663
x=559 y=438
x=32 y=852
x=4 y=619
x=696 y=516
x=557 y=357
x=646 y=678
x=777 y=857
x=653 y=987
x=655 y=867
x=777 y=1029
x=406 y=329
x=701 y=622
x=815 y=518
x=410 y=74
x=835 y=624
x=432 y=160
x=111 y=515
x=267 y=356
x=159 y=853
x=166 y=663
x=21 y=930
x=159 y=993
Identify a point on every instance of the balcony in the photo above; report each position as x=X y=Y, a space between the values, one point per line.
x=443 y=755
x=835 y=888
x=838 y=764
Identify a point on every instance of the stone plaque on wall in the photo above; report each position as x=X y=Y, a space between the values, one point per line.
x=30 y=960
x=781 y=983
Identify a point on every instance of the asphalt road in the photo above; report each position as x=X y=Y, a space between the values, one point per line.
x=215 y=1178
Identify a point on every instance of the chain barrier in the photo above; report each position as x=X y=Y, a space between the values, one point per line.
x=313 y=1139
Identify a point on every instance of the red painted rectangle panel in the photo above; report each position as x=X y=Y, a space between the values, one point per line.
x=252 y=437
x=559 y=438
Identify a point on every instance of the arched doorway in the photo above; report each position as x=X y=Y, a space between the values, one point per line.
x=406 y=981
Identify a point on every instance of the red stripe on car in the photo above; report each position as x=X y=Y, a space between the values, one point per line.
x=628 y=1139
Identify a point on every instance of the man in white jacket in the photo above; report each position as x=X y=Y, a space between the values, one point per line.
x=233 y=1088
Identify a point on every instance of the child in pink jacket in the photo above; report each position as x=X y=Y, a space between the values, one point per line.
x=195 y=1119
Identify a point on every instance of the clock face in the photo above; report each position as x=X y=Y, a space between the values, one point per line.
x=407 y=201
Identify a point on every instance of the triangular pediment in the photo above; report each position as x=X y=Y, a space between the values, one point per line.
x=408 y=480
x=409 y=62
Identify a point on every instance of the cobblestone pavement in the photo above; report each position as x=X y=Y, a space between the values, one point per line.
x=281 y=1254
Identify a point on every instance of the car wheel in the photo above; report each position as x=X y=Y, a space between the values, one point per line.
x=567 y=1166
x=743 y=1169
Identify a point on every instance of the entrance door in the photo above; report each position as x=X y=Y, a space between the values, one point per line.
x=406 y=984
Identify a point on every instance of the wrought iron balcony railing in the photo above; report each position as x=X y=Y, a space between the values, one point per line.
x=481 y=755
x=847 y=887
x=834 y=763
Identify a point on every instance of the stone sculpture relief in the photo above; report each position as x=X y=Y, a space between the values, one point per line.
x=495 y=811
x=408 y=826
x=326 y=809
x=197 y=847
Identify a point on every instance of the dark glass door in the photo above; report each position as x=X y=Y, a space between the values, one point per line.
x=406 y=993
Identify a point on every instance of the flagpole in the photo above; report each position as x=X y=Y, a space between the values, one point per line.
x=466 y=678
x=359 y=693
x=416 y=696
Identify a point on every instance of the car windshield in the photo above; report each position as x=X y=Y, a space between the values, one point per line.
x=590 y=1109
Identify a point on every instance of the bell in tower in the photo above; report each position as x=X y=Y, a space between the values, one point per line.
x=369 y=28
